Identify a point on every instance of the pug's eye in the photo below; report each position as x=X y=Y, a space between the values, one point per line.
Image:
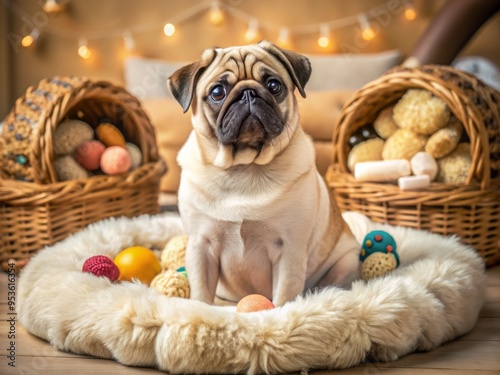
x=274 y=86
x=218 y=93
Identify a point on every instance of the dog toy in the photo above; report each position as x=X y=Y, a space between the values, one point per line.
x=69 y=134
x=173 y=281
x=414 y=182
x=173 y=255
x=403 y=144
x=101 y=265
x=110 y=135
x=422 y=163
x=171 y=284
x=454 y=167
x=384 y=124
x=368 y=150
x=135 y=155
x=67 y=168
x=89 y=153
x=254 y=302
x=137 y=262
x=378 y=254
x=421 y=112
x=382 y=171
x=115 y=160
x=445 y=140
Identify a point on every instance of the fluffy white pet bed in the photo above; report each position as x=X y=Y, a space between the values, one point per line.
x=433 y=297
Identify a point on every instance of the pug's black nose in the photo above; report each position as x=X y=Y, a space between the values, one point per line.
x=248 y=94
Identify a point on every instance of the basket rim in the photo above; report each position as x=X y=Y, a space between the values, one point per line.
x=397 y=82
x=437 y=194
x=16 y=193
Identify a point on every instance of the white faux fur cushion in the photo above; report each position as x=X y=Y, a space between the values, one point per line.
x=433 y=297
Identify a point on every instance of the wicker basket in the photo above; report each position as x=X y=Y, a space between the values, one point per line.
x=35 y=209
x=470 y=210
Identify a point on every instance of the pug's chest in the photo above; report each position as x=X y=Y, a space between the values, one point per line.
x=248 y=268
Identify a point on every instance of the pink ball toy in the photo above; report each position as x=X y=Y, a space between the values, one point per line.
x=89 y=153
x=115 y=160
x=101 y=265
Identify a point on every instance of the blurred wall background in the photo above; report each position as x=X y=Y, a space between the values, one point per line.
x=103 y=24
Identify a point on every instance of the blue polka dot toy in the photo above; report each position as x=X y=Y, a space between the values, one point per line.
x=378 y=254
x=378 y=241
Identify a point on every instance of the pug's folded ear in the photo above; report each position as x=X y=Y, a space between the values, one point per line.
x=298 y=66
x=182 y=83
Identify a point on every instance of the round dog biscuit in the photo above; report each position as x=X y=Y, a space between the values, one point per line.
x=454 y=167
x=369 y=150
x=403 y=144
x=67 y=168
x=444 y=141
x=69 y=134
x=420 y=111
x=384 y=124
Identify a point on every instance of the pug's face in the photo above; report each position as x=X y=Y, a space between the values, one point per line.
x=242 y=99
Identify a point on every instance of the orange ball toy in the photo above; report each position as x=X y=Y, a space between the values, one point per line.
x=254 y=302
x=137 y=262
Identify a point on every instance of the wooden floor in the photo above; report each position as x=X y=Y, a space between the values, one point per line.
x=477 y=353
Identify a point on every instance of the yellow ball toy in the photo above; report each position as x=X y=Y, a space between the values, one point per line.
x=137 y=262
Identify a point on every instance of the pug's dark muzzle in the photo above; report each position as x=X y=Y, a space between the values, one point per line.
x=250 y=117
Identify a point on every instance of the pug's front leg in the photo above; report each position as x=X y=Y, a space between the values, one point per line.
x=202 y=266
x=289 y=276
x=209 y=240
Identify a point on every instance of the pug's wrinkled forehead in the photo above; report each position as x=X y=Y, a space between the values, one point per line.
x=255 y=61
x=238 y=64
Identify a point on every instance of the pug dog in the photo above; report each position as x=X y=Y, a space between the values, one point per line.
x=258 y=215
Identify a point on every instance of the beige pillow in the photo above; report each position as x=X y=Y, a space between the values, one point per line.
x=320 y=110
x=147 y=78
x=346 y=71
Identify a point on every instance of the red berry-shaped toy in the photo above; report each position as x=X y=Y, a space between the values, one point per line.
x=101 y=265
x=89 y=153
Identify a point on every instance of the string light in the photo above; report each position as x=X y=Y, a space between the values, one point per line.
x=283 y=38
x=217 y=11
x=410 y=13
x=83 y=50
x=216 y=15
x=324 y=36
x=252 y=32
x=29 y=39
x=169 y=29
x=53 y=7
x=367 y=31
